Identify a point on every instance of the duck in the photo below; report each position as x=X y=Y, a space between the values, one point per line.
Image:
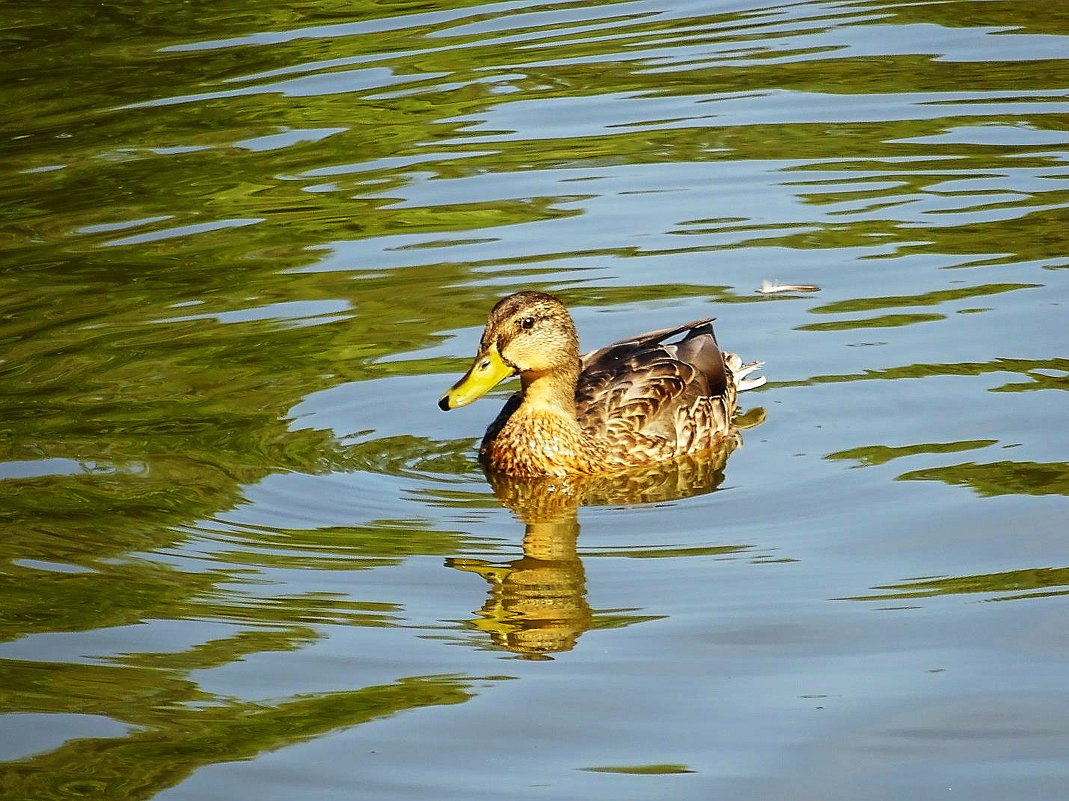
x=628 y=404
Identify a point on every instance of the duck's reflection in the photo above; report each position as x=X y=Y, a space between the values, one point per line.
x=537 y=604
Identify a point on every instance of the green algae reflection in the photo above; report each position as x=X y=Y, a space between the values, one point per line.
x=178 y=729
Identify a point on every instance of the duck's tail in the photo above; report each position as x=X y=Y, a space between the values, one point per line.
x=740 y=371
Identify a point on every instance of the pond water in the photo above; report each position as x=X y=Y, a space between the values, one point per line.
x=245 y=248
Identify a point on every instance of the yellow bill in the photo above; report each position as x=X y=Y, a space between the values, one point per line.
x=488 y=370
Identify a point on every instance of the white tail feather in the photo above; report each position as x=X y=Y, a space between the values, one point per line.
x=740 y=371
x=750 y=383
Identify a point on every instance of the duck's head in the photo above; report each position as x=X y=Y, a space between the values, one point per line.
x=528 y=333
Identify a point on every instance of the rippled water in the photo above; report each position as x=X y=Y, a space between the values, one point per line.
x=245 y=247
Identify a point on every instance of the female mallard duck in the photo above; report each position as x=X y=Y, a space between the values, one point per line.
x=624 y=405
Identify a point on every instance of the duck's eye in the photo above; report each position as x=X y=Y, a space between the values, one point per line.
x=527 y=323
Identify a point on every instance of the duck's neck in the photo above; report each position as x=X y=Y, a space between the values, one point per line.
x=541 y=437
x=551 y=392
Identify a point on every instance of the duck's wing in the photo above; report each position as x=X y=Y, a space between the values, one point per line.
x=644 y=387
x=605 y=358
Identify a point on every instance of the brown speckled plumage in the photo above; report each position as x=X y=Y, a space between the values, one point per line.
x=630 y=403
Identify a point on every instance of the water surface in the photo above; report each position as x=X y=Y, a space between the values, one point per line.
x=244 y=250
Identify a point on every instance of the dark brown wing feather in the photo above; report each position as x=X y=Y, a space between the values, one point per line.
x=657 y=395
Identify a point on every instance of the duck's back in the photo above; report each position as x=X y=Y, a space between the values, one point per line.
x=643 y=399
